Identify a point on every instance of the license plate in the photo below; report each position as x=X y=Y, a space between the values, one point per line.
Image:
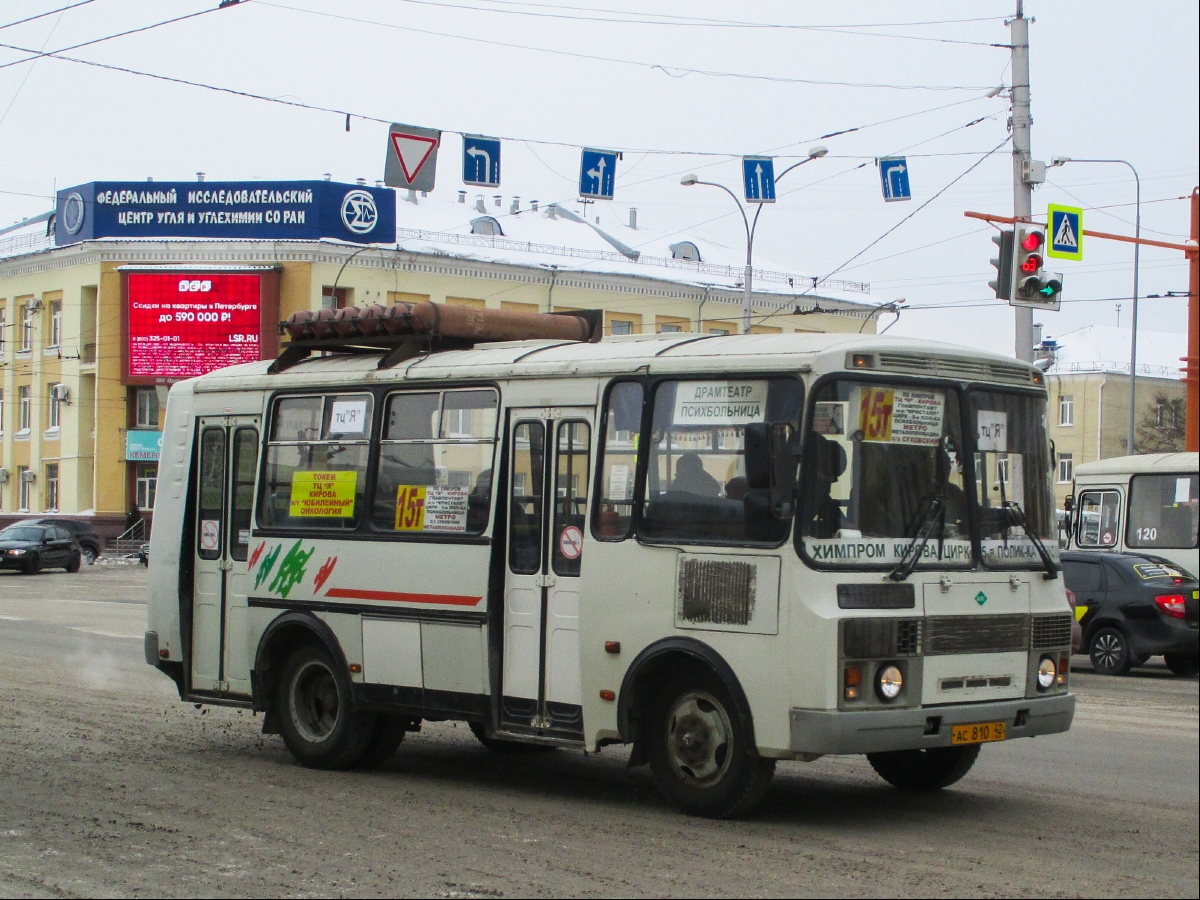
x=979 y=733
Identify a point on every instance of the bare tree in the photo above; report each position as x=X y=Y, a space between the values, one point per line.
x=1161 y=428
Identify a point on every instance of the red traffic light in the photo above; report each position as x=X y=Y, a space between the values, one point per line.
x=1032 y=241
x=1031 y=263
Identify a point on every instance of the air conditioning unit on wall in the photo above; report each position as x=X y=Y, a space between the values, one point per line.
x=29 y=476
x=3 y=476
x=60 y=392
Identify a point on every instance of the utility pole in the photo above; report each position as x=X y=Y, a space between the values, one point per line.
x=1020 y=122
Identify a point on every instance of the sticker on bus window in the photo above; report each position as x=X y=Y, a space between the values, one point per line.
x=348 y=417
x=619 y=486
x=431 y=509
x=210 y=534
x=901 y=416
x=323 y=494
x=993 y=431
x=720 y=402
x=1183 y=490
x=829 y=418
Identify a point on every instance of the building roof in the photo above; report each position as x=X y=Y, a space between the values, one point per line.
x=1105 y=348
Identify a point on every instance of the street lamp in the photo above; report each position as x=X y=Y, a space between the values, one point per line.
x=751 y=226
x=1137 y=246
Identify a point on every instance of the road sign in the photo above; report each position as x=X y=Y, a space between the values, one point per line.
x=893 y=174
x=758 y=179
x=597 y=173
x=1065 y=230
x=411 y=157
x=481 y=160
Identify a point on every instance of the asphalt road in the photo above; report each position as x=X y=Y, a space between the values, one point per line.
x=109 y=786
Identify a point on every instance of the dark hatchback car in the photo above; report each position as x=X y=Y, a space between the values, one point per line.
x=1134 y=606
x=32 y=548
x=85 y=534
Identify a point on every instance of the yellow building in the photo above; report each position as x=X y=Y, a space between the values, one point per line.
x=79 y=420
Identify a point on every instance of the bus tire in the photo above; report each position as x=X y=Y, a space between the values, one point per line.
x=924 y=770
x=316 y=718
x=385 y=741
x=700 y=751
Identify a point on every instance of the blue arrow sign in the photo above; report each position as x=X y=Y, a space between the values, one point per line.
x=893 y=174
x=758 y=179
x=597 y=173
x=481 y=160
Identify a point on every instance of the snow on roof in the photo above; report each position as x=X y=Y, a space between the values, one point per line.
x=1105 y=348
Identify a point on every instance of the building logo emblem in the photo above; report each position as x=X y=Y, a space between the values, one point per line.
x=73 y=212
x=359 y=213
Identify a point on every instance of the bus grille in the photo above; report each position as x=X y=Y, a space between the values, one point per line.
x=954 y=367
x=948 y=635
x=1051 y=631
x=880 y=638
x=716 y=592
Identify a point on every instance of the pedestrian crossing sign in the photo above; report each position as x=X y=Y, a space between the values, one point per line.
x=1064 y=232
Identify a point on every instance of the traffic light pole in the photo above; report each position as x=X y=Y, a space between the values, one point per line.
x=1022 y=191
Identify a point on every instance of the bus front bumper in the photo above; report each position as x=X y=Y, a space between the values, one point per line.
x=874 y=731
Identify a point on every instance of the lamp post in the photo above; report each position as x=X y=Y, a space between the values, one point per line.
x=1137 y=234
x=751 y=226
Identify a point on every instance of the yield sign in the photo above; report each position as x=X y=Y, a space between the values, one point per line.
x=411 y=157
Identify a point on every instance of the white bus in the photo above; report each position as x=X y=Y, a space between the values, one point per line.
x=1142 y=504
x=723 y=550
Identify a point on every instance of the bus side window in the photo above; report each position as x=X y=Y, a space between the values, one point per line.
x=570 y=503
x=618 y=452
x=1098 y=519
x=212 y=492
x=525 y=505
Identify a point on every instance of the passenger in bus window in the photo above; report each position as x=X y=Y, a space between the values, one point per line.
x=828 y=461
x=690 y=476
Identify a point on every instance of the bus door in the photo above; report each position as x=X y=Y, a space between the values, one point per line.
x=228 y=458
x=550 y=454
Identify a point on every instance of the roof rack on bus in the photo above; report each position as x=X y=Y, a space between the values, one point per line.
x=406 y=330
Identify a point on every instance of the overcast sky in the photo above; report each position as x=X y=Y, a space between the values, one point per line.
x=677 y=88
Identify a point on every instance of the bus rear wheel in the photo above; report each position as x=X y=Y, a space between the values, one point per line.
x=700 y=750
x=318 y=724
x=924 y=770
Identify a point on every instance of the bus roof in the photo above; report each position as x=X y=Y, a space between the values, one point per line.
x=672 y=352
x=1146 y=463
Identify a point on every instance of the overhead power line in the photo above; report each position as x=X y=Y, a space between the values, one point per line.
x=43 y=15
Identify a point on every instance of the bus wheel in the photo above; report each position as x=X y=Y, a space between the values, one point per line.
x=700 y=751
x=318 y=725
x=388 y=733
x=924 y=770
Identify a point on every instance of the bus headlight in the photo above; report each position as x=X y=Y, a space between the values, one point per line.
x=889 y=682
x=1046 y=673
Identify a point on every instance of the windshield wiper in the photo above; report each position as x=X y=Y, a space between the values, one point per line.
x=1023 y=520
x=908 y=562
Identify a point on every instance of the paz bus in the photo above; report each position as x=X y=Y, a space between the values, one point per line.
x=724 y=551
x=1141 y=504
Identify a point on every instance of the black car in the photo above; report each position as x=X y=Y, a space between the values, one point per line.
x=1135 y=606
x=85 y=534
x=32 y=548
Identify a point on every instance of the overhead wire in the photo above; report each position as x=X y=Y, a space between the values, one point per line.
x=48 y=12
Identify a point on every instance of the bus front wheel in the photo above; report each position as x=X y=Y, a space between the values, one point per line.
x=318 y=724
x=700 y=750
x=924 y=770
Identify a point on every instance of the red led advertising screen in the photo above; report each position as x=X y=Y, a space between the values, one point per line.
x=184 y=324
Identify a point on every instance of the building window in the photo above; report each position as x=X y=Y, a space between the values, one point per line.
x=147 y=408
x=619 y=327
x=1 y=410
x=334 y=298
x=51 y=487
x=1066 y=468
x=3 y=327
x=147 y=483
x=56 y=323
x=1066 y=410
x=24 y=414
x=26 y=327
x=52 y=420
x=26 y=487
x=1160 y=415
x=670 y=329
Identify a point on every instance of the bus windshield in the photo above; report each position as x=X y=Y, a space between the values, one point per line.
x=883 y=464
x=887 y=475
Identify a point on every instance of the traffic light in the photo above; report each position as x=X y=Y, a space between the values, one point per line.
x=1003 y=283
x=1027 y=278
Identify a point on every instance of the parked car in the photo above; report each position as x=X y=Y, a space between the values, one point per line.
x=32 y=548
x=85 y=534
x=1135 y=606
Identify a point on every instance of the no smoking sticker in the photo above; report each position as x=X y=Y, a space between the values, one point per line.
x=210 y=534
x=570 y=542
